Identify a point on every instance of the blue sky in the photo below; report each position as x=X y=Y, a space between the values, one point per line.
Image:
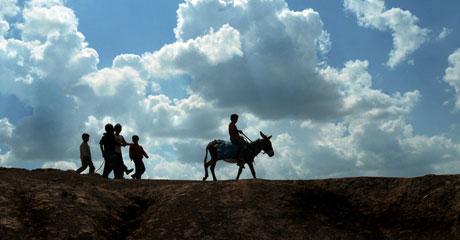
x=346 y=88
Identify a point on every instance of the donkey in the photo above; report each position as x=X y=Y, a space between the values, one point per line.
x=254 y=148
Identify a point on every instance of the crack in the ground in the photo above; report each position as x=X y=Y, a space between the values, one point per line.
x=133 y=216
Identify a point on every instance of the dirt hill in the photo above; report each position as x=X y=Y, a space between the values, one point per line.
x=54 y=204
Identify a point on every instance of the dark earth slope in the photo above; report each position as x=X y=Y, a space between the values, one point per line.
x=54 y=204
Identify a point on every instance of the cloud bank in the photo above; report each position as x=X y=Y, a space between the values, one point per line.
x=257 y=58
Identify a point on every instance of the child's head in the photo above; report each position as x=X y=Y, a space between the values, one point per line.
x=135 y=139
x=117 y=128
x=85 y=137
x=109 y=128
x=234 y=118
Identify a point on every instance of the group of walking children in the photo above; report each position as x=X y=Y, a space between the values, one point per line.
x=110 y=144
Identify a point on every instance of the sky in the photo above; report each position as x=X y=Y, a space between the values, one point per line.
x=346 y=88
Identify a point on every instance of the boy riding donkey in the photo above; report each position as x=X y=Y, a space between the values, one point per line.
x=235 y=138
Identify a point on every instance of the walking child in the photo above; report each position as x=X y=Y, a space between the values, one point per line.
x=136 y=152
x=85 y=155
x=119 y=166
x=107 y=144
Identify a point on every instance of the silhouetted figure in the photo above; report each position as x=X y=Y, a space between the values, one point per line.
x=235 y=138
x=85 y=155
x=107 y=144
x=119 y=165
x=136 y=152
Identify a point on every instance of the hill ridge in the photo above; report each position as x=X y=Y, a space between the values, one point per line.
x=55 y=204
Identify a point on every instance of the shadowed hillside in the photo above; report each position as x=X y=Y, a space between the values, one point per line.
x=53 y=204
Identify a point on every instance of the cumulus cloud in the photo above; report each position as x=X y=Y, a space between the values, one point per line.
x=444 y=33
x=4 y=27
x=8 y=8
x=452 y=75
x=5 y=159
x=6 y=130
x=407 y=35
x=106 y=81
x=163 y=169
x=360 y=98
x=388 y=148
x=63 y=165
x=40 y=70
x=212 y=48
x=275 y=73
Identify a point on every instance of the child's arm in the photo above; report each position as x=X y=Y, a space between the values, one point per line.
x=123 y=142
x=131 y=149
x=144 y=153
x=81 y=151
x=102 y=147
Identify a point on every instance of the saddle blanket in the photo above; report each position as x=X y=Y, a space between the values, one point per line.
x=227 y=150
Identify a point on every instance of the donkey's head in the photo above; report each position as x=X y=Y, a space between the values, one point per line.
x=267 y=145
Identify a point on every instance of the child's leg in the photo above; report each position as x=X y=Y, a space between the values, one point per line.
x=91 y=166
x=108 y=166
x=141 y=168
x=118 y=166
x=124 y=168
x=136 y=165
x=84 y=165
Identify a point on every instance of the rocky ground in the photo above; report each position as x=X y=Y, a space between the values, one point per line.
x=54 y=204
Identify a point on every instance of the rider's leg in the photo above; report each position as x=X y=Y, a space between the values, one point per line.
x=242 y=152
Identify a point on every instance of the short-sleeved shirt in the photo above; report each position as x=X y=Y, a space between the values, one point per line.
x=136 y=152
x=119 y=140
x=233 y=131
x=85 y=151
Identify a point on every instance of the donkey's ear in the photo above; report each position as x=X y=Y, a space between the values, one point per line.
x=270 y=137
x=263 y=135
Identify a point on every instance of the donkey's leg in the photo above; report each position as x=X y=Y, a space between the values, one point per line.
x=239 y=173
x=206 y=165
x=213 y=165
x=251 y=166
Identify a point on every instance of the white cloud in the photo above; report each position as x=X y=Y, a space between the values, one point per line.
x=6 y=160
x=159 y=168
x=41 y=70
x=387 y=148
x=6 y=130
x=452 y=75
x=63 y=165
x=444 y=33
x=360 y=98
x=95 y=126
x=289 y=163
x=106 y=81
x=407 y=36
x=8 y=8
x=4 y=28
x=212 y=48
x=277 y=74
x=43 y=19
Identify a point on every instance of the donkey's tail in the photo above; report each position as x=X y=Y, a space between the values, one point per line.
x=214 y=144
x=206 y=164
x=206 y=156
